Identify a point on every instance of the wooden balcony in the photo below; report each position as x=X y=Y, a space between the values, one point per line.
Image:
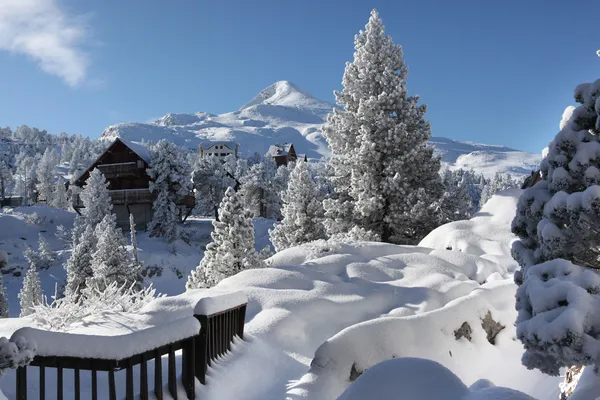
x=137 y=196
x=121 y=170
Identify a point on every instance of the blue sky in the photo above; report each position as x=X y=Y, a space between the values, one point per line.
x=491 y=72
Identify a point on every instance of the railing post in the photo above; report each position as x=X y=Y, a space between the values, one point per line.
x=202 y=349
x=241 y=320
x=22 y=383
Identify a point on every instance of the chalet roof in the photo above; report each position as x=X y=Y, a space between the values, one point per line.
x=279 y=149
x=208 y=145
x=142 y=151
x=138 y=149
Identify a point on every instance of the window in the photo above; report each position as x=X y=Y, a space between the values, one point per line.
x=223 y=154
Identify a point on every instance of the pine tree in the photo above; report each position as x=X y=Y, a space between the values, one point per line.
x=79 y=268
x=96 y=202
x=5 y=175
x=456 y=202
x=3 y=300
x=60 y=198
x=31 y=292
x=385 y=176
x=558 y=225
x=46 y=172
x=211 y=180
x=110 y=261
x=232 y=249
x=132 y=234
x=24 y=177
x=260 y=189
x=499 y=183
x=45 y=253
x=170 y=176
x=302 y=212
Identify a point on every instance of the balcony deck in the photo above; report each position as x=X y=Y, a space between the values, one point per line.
x=137 y=196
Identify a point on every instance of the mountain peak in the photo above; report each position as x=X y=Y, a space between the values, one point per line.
x=285 y=93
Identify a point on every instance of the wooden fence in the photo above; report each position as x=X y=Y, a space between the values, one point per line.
x=216 y=335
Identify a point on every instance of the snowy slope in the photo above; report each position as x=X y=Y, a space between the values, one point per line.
x=283 y=112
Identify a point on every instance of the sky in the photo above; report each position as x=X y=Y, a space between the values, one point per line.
x=496 y=72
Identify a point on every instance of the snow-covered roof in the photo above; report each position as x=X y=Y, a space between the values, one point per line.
x=279 y=149
x=208 y=145
x=137 y=148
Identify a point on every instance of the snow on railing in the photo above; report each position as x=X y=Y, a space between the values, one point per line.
x=206 y=325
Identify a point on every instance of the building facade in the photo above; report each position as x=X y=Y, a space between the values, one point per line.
x=282 y=153
x=124 y=166
x=218 y=149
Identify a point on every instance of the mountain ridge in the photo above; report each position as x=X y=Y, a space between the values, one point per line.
x=282 y=112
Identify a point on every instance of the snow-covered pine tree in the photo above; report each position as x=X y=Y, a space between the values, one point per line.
x=46 y=173
x=456 y=202
x=260 y=190
x=302 y=212
x=60 y=198
x=170 y=174
x=5 y=175
x=385 y=176
x=501 y=181
x=45 y=253
x=210 y=180
x=132 y=235
x=110 y=261
x=79 y=268
x=96 y=204
x=31 y=292
x=24 y=177
x=558 y=224
x=3 y=300
x=232 y=249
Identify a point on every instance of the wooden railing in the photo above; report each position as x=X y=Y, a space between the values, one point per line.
x=136 y=196
x=217 y=332
x=111 y=171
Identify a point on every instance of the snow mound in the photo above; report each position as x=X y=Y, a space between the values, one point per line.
x=420 y=379
x=486 y=235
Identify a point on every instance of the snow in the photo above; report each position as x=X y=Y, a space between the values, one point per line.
x=284 y=113
x=215 y=301
x=106 y=344
x=420 y=379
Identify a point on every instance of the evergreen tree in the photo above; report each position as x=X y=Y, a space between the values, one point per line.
x=456 y=202
x=558 y=225
x=79 y=268
x=132 y=234
x=5 y=175
x=232 y=249
x=110 y=261
x=260 y=190
x=170 y=176
x=96 y=202
x=24 y=177
x=499 y=183
x=3 y=300
x=46 y=172
x=211 y=179
x=45 y=253
x=302 y=212
x=31 y=292
x=385 y=175
x=60 y=198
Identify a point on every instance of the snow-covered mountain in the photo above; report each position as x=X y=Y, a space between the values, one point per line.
x=283 y=112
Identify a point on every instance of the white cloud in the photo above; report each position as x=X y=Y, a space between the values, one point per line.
x=46 y=33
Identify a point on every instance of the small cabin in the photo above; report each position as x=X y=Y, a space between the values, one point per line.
x=532 y=179
x=124 y=166
x=218 y=149
x=282 y=153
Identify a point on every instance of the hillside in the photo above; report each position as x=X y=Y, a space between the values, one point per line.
x=283 y=112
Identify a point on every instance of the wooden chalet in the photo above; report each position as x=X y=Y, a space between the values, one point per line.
x=531 y=180
x=124 y=166
x=282 y=153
